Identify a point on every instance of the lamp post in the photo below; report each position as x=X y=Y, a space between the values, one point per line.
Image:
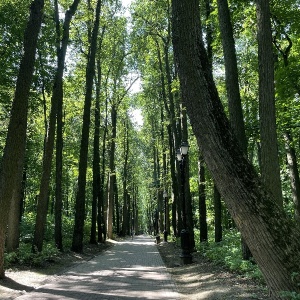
x=185 y=256
x=165 y=195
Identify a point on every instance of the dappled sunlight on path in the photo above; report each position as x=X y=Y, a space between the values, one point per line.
x=131 y=269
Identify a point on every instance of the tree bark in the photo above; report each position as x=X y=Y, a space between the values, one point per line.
x=272 y=238
x=232 y=86
x=96 y=162
x=293 y=173
x=125 y=229
x=42 y=206
x=77 y=242
x=166 y=89
x=101 y=220
x=14 y=151
x=218 y=215
x=13 y=227
x=187 y=191
x=15 y=214
x=59 y=151
x=270 y=169
x=112 y=175
x=231 y=74
x=202 y=201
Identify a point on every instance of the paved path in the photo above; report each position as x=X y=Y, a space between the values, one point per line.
x=131 y=269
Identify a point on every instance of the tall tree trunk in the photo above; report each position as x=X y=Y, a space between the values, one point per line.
x=231 y=74
x=59 y=151
x=159 y=192
x=112 y=175
x=270 y=169
x=42 y=207
x=117 y=209
x=202 y=201
x=14 y=151
x=272 y=238
x=58 y=180
x=96 y=161
x=136 y=210
x=187 y=191
x=15 y=214
x=13 y=224
x=218 y=215
x=101 y=223
x=293 y=173
x=174 y=141
x=209 y=31
x=232 y=86
x=125 y=228
x=58 y=172
x=77 y=241
x=174 y=144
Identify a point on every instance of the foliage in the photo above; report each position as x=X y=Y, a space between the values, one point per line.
x=25 y=257
x=290 y=295
x=128 y=50
x=228 y=254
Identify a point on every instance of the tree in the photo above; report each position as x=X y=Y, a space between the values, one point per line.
x=96 y=160
x=77 y=241
x=270 y=169
x=14 y=151
x=112 y=175
x=13 y=228
x=218 y=215
x=97 y=202
x=153 y=27
x=287 y=88
x=232 y=85
x=56 y=100
x=294 y=173
x=125 y=224
x=202 y=201
x=270 y=235
x=112 y=182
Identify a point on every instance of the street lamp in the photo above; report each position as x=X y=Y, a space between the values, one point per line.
x=185 y=256
x=165 y=195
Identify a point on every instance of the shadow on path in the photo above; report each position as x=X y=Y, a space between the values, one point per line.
x=11 y=284
x=131 y=269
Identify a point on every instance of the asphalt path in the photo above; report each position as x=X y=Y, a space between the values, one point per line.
x=130 y=269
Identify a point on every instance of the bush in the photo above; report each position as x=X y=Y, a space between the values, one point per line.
x=290 y=295
x=24 y=256
x=228 y=254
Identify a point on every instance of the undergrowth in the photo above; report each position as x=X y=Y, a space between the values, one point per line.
x=25 y=257
x=228 y=253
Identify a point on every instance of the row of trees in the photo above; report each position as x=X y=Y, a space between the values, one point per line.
x=64 y=87
x=72 y=102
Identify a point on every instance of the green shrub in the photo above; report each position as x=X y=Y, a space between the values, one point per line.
x=228 y=253
x=24 y=256
x=290 y=295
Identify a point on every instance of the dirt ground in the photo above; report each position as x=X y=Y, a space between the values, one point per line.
x=21 y=279
x=204 y=280
x=199 y=280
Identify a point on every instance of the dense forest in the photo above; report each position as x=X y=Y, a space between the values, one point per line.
x=96 y=100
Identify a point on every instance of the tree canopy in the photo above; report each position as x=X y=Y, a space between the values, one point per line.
x=120 y=63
